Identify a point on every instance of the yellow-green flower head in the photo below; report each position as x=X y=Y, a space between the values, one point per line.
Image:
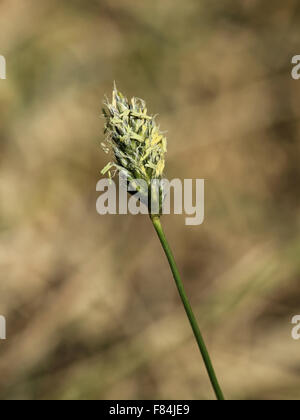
x=135 y=139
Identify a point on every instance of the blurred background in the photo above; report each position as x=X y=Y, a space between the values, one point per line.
x=92 y=311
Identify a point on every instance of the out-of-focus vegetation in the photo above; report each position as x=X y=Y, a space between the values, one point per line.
x=91 y=307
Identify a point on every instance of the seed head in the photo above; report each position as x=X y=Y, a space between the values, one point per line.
x=138 y=145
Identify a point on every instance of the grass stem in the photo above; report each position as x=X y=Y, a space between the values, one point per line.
x=200 y=341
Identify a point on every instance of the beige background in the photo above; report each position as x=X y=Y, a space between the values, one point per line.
x=91 y=307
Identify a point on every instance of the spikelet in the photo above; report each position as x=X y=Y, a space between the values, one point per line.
x=138 y=145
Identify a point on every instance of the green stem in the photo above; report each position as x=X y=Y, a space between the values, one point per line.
x=188 y=308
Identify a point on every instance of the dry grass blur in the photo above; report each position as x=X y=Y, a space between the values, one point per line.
x=91 y=307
